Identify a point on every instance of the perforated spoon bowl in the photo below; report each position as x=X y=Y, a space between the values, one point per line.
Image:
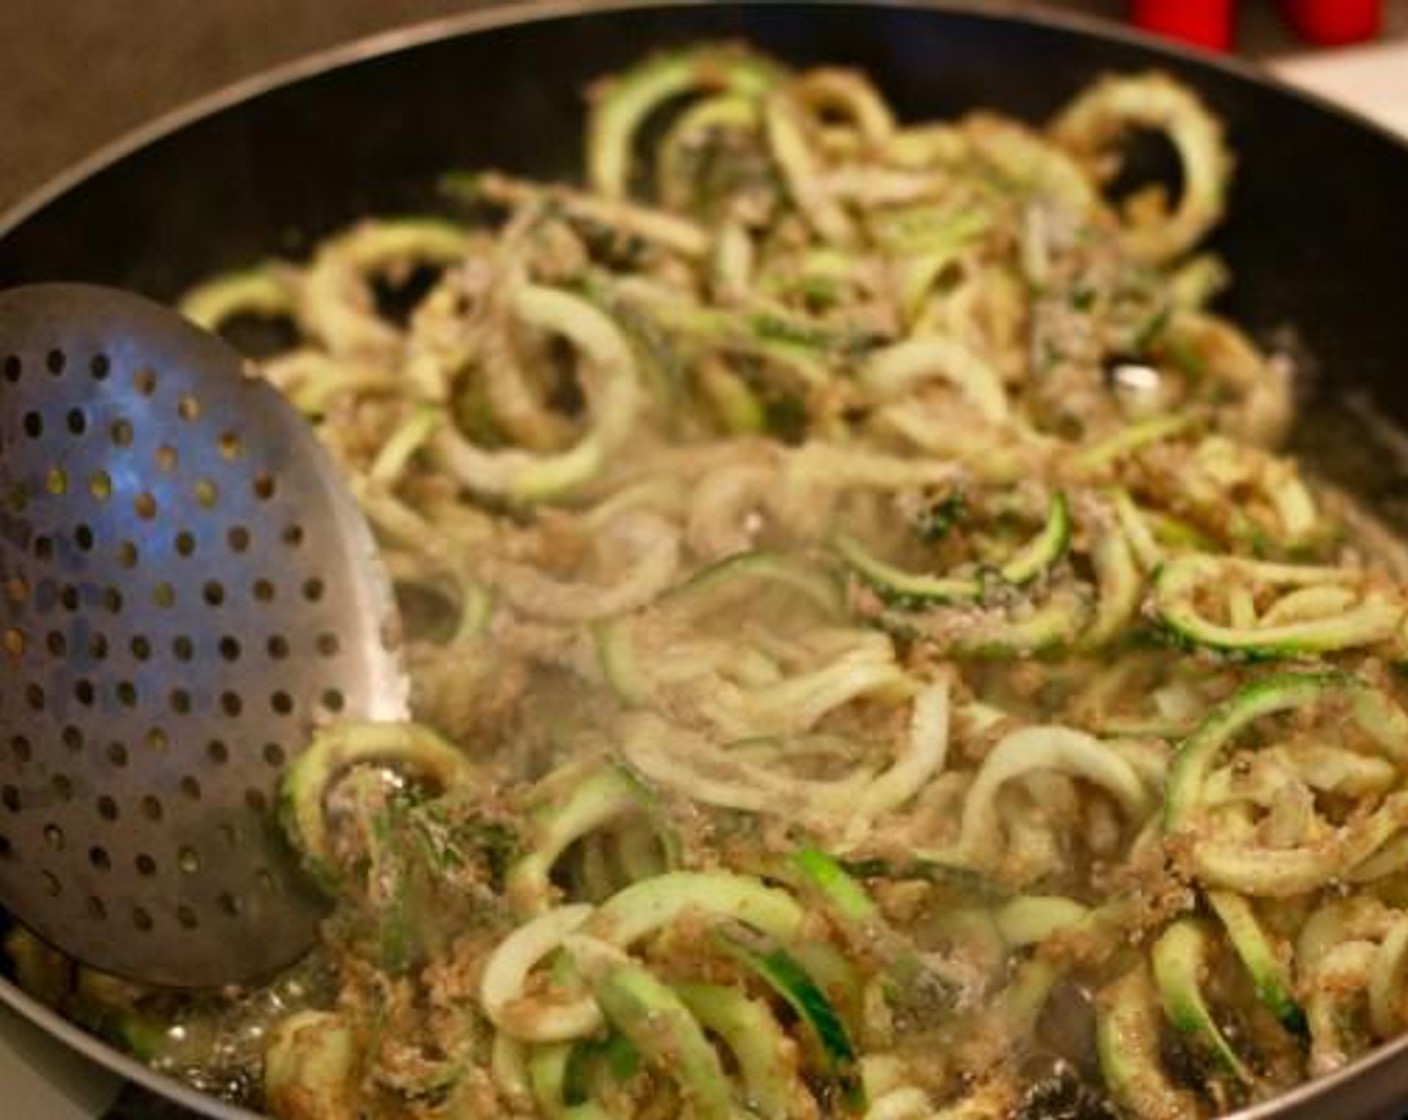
x=186 y=588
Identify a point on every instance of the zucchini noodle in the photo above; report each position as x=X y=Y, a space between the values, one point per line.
x=869 y=656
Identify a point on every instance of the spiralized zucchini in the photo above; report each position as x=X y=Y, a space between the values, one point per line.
x=870 y=658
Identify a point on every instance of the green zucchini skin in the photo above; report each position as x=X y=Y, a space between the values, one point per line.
x=915 y=591
x=601 y=797
x=1269 y=974
x=996 y=634
x=906 y=590
x=309 y=1066
x=782 y=972
x=1039 y=555
x=828 y=876
x=1376 y=619
x=1127 y=1042
x=1198 y=753
x=621 y=108
x=659 y=1026
x=759 y=1045
x=408 y=746
x=1180 y=961
x=651 y=904
x=615 y=1053
x=550 y=1072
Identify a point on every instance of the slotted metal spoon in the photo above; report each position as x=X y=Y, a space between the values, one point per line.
x=186 y=588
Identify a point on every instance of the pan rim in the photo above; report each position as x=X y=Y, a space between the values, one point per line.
x=498 y=14
x=109 y=1057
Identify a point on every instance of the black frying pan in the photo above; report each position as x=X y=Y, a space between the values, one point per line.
x=1318 y=236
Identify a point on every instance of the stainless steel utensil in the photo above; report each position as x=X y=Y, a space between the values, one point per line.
x=186 y=588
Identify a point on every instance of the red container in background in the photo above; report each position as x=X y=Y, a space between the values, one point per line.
x=1335 y=22
x=1210 y=23
x=1204 y=23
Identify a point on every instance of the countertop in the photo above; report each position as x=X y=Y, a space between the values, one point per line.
x=1372 y=79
